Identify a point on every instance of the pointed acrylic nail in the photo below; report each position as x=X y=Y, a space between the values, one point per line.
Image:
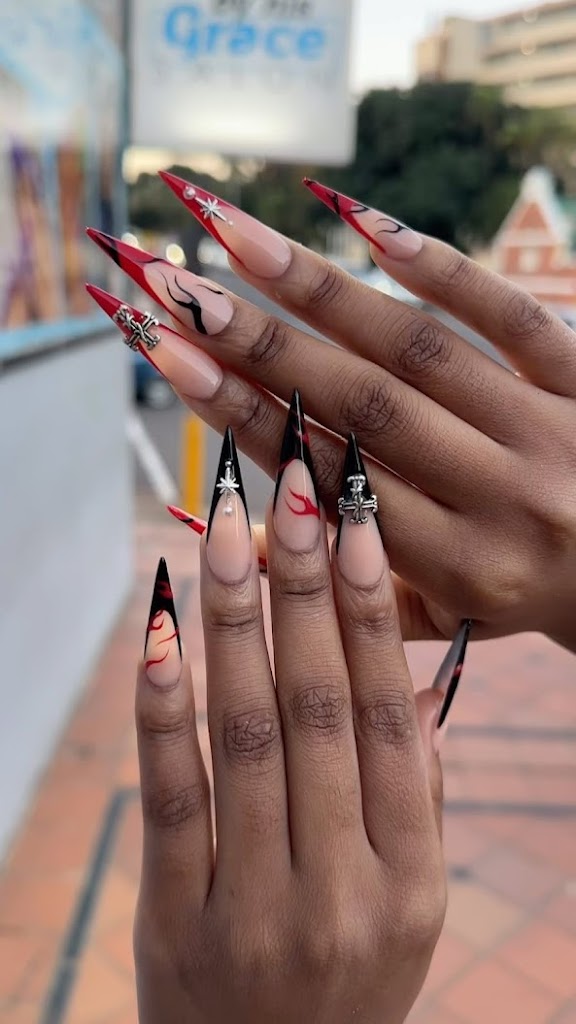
x=199 y=304
x=392 y=237
x=229 y=539
x=359 y=542
x=296 y=504
x=162 y=648
x=186 y=367
x=448 y=675
x=200 y=526
x=260 y=249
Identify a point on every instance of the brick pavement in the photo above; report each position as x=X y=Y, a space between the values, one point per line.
x=508 y=952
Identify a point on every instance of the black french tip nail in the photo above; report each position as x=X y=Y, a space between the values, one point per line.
x=356 y=496
x=448 y=675
x=228 y=478
x=162 y=601
x=295 y=444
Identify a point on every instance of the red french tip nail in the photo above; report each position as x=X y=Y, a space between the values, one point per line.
x=109 y=303
x=198 y=525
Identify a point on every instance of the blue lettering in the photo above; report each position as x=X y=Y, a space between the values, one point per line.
x=213 y=31
x=243 y=40
x=271 y=43
x=186 y=28
x=181 y=28
x=311 y=42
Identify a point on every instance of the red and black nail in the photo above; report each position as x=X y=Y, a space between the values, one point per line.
x=448 y=676
x=297 y=513
x=198 y=304
x=162 y=647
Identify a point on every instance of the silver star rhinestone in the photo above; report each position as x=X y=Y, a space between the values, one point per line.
x=228 y=485
x=211 y=209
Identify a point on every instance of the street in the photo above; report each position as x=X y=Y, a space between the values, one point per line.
x=165 y=427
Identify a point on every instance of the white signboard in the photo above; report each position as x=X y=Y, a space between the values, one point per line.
x=262 y=78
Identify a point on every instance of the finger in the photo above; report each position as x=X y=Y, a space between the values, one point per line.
x=391 y=419
x=428 y=705
x=174 y=785
x=395 y=792
x=534 y=340
x=245 y=732
x=311 y=673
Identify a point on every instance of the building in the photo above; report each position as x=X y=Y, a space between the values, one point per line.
x=536 y=245
x=530 y=52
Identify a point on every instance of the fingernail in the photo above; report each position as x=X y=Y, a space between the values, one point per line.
x=359 y=544
x=162 y=650
x=393 y=238
x=260 y=249
x=447 y=678
x=229 y=544
x=296 y=504
x=198 y=304
x=200 y=526
x=186 y=367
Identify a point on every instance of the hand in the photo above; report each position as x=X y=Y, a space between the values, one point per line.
x=324 y=895
x=472 y=465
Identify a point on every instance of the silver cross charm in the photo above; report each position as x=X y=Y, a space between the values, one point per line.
x=140 y=333
x=228 y=485
x=357 y=504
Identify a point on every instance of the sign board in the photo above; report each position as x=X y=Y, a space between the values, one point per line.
x=246 y=78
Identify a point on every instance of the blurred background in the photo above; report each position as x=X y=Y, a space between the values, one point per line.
x=458 y=118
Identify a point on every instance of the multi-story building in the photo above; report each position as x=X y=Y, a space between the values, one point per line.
x=531 y=52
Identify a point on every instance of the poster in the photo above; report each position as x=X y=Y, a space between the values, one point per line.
x=61 y=82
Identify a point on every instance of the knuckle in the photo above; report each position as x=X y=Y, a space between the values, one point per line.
x=524 y=317
x=421 y=918
x=242 y=618
x=553 y=514
x=343 y=938
x=389 y=716
x=328 y=466
x=252 y=413
x=423 y=349
x=325 y=287
x=269 y=342
x=251 y=736
x=307 y=588
x=374 y=408
x=457 y=272
x=173 y=725
x=173 y=808
x=321 y=708
x=371 y=613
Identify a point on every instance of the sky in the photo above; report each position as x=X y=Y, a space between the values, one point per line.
x=386 y=31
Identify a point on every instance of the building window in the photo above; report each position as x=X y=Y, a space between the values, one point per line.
x=529 y=260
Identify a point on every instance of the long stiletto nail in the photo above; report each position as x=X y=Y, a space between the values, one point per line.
x=189 y=369
x=296 y=504
x=359 y=543
x=162 y=649
x=392 y=237
x=447 y=678
x=229 y=539
x=260 y=249
x=197 y=303
x=200 y=526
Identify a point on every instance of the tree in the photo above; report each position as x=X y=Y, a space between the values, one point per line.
x=445 y=158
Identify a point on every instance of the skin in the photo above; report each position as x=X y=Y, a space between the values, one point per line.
x=472 y=463
x=324 y=894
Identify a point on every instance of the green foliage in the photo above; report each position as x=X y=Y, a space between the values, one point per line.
x=445 y=158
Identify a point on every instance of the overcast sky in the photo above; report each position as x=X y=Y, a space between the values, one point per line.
x=386 y=31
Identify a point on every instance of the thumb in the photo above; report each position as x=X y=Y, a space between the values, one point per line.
x=428 y=707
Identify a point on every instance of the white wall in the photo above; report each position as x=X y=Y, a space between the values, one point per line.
x=65 y=546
